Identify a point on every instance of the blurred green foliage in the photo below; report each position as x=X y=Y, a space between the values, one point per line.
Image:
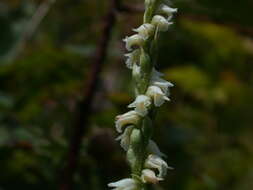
x=206 y=130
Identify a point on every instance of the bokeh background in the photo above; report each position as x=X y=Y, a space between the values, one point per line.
x=47 y=50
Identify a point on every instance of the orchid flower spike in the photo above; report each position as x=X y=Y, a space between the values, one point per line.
x=156 y=162
x=129 y=118
x=157 y=95
x=124 y=184
x=146 y=30
x=161 y=23
x=134 y=40
x=132 y=58
x=141 y=104
x=148 y=176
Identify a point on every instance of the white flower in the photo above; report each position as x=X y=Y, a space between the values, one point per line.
x=164 y=9
x=141 y=104
x=161 y=23
x=154 y=149
x=157 y=94
x=124 y=184
x=129 y=118
x=148 y=176
x=134 y=40
x=132 y=58
x=125 y=138
x=156 y=80
x=145 y=30
x=156 y=162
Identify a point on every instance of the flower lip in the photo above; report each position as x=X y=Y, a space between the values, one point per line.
x=127 y=183
x=146 y=30
x=165 y=9
x=125 y=137
x=141 y=104
x=158 y=96
x=132 y=58
x=161 y=23
x=156 y=162
x=129 y=118
x=134 y=40
x=149 y=176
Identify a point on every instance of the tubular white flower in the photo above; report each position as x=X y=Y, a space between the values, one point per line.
x=148 y=176
x=157 y=95
x=134 y=40
x=141 y=104
x=129 y=118
x=132 y=58
x=161 y=23
x=156 y=80
x=156 y=162
x=145 y=30
x=125 y=138
x=168 y=11
x=124 y=184
x=154 y=149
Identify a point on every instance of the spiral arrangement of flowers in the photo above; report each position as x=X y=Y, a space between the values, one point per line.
x=136 y=126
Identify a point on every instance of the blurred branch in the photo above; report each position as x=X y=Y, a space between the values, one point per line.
x=31 y=27
x=85 y=105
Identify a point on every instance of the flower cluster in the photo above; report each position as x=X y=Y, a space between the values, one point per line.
x=153 y=167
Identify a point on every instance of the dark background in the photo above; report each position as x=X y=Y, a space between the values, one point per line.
x=47 y=53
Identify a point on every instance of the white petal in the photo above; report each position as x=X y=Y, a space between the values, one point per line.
x=124 y=184
x=132 y=58
x=148 y=176
x=156 y=80
x=141 y=104
x=154 y=149
x=164 y=9
x=125 y=138
x=156 y=162
x=134 y=40
x=156 y=73
x=129 y=118
x=157 y=94
x=145 y=30
x=160 y=22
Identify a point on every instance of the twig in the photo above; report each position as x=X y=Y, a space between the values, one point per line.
x=85 y=105
x=31 y=27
